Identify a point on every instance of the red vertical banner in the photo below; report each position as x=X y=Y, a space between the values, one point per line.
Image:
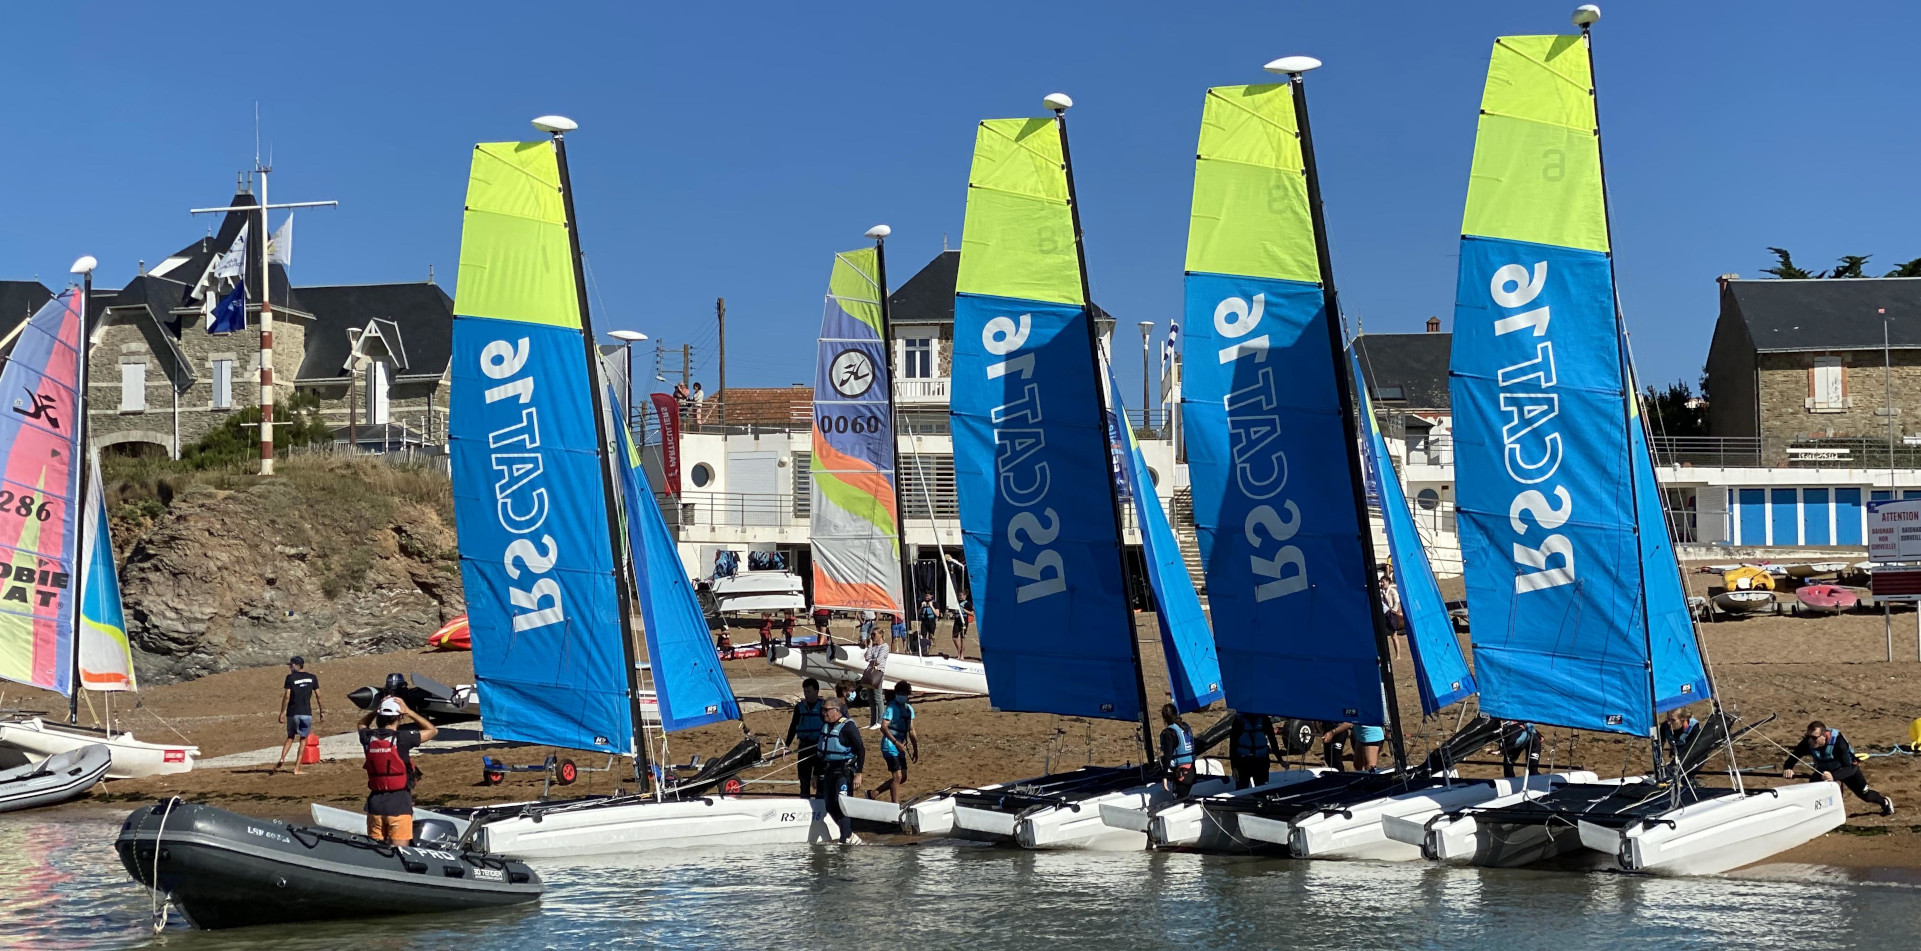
x=668 y=412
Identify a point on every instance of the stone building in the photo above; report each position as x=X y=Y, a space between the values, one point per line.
x=1798 y=367
x=375 y=355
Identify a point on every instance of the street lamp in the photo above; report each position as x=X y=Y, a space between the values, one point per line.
x=627 y=340
x=1147 y=336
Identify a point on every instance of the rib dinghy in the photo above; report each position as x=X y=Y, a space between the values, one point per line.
x=560 y=538
x=54 y=780
x=1560 y=515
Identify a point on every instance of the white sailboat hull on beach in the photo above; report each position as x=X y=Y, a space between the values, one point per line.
x=1358 y=831
x=1078 y=824
x=132 y=759
x=1720 y=834
x=1465 y=839
x=645 y=826
x=1180 y=823
x=844 y=663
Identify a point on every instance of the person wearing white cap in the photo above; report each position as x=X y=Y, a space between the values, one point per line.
x=390 y=780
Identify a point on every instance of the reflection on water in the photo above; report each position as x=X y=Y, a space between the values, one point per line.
x=61 y=886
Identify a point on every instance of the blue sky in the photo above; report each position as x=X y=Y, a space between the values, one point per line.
x=729 y=149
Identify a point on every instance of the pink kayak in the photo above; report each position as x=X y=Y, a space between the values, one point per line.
x=1825 y=598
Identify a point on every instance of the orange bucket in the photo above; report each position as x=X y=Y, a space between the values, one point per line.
x=310 y=750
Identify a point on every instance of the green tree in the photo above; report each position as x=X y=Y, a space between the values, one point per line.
x=1674 y=411
x=1910 y=269
x=1850 y=265
x=237 y=440
x=1784 y=267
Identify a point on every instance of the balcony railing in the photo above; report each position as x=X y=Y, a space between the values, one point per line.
x=926 y=390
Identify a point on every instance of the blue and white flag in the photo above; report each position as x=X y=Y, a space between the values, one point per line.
x=230 y=314
x=233 y=263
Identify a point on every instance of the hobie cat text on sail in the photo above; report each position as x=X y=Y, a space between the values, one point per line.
x=1531 y=443
x=521 y=501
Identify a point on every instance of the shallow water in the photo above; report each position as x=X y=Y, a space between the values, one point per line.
x=61 y=886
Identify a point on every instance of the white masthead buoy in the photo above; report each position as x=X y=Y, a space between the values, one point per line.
x=878 y=232
x=1586 y=14
x=84 y=265
x=554 y=125
x=1058 y=102
x=1293 y=65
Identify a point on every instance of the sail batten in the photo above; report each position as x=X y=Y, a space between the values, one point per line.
x=1043 y=549
x=1567 y=559
x=529 y=494
x=1274 y=502
x=851 y=522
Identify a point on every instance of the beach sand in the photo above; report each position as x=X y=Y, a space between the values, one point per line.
x=1800 y=668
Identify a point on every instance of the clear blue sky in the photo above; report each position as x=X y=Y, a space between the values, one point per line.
x=728 y=149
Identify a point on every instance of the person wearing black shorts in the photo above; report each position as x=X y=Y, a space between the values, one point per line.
x=1334 y=744
x=842 y=756
x=1828 y=754
x=299 y=705
x=898 y=741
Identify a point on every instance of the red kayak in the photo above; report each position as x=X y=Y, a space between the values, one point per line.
x=1825 y=598
x=453 y=637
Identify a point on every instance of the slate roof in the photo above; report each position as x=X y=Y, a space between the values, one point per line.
x=928 y=296
x=415 y=320
x=1830 y=314
x=1416 y=363
x=18 y=301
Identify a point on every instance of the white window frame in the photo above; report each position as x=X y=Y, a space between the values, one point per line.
x=1827 y=386
x=133 y=387
x=223 y=383
x=914 y=347
x=379 y=409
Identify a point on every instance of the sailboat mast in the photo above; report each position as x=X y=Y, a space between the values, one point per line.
x=1113 y=497
x=879 y=233
x=77 y=585
x=623 y=576
x=1343 y=380
x=1628 y=420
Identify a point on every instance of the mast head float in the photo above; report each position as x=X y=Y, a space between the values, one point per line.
x=1057 y=102
x=879 y=232
x=1292 y=65
x=555 y=125
x=84 y=265
x=1586 y=14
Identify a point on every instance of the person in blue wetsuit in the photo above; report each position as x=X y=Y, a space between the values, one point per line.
x=842 y=756
x=1677 y=734
x=1519 y=740
x=1178 y=752
x=803 y=733
x=1828 y=754
x=1251 y=742
x=898 y=741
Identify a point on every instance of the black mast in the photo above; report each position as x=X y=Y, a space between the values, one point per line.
x=1344 y=382
x=623 y=577
x=77 y=590
x=1060 y=108
x=879 y=233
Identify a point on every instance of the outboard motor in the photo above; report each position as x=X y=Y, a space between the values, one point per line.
x=436 y=833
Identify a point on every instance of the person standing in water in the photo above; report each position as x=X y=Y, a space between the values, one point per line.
x=1251 y=739
x=1828 y=754
x=1177 y=752
x=842 y=756
x=803 y=733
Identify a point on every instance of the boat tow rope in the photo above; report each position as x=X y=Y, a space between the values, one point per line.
x=158 y=907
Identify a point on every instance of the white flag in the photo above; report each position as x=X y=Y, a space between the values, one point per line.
x=280 y=246
x=234 y=262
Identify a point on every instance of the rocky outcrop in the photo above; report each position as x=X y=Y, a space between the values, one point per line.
x=318 y=564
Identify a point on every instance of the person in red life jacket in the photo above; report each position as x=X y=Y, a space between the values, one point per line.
x=1828 y=754
x=766 y=635
x=787 y=630
x=390 y=797
x=821 y=617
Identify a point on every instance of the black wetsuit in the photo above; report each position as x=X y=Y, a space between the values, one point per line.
x=1334 y=751
x=1251 y=745
x=1837 y=759
x=803 y=732
x=1518 y=741
x=842 y=754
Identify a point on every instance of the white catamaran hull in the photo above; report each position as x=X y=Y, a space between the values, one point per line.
x=1078 y=825
x=752 y=591
x=927 y=674
x=1187 y=823
x=862 y=809
x=934 y=814
x=1357 y=832
x=647 y=826
x=132 y=759
x=1720 y=834
x=1467 y=840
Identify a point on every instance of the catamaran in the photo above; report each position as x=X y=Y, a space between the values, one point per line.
x=1031 y=444
x=559 y=534
x=1561 y=518
x=856 y=523
x=48 y=499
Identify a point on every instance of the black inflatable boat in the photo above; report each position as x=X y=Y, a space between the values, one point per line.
x=436 y=701
x=226 y=870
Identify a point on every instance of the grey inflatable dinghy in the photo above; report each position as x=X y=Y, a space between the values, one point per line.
x=56 y=779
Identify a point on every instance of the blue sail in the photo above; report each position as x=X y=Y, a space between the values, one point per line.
x=1031 y=464
x=1440 y=669
x=1680 y=675
x=688 y=682
x=1194 y=671
x=529 y=498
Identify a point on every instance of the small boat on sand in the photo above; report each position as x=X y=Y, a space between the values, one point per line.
x=1745 y=602
x=54 y=780
x=225 y=870
x=1825 y=598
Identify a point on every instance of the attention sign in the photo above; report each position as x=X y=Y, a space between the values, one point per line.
x=1894 y=530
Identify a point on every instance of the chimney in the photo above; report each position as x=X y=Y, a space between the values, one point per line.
x=143 y=267
x=1723 y=280
x=430 y=274
x=1434 y=325
x=241 y=187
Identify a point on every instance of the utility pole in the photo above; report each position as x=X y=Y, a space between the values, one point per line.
x=720 y=318
x=1147 y=337
x=686 y=364
x=266 y=303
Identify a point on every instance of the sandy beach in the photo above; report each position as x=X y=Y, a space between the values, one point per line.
x=1799 y=668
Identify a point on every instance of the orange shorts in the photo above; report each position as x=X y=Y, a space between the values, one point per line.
x=396 y=829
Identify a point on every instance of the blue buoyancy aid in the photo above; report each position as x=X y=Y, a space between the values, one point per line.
x=807 y=729
x=1183 y=751
x=1252 y=741
x=833 y=750
x=1823 y=756
x=899 y=716
x=1678 y=740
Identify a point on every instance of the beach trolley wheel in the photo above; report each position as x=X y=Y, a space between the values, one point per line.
x=1297 y=736
x=567 y=772
x=731 y=787
x=491 y=772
